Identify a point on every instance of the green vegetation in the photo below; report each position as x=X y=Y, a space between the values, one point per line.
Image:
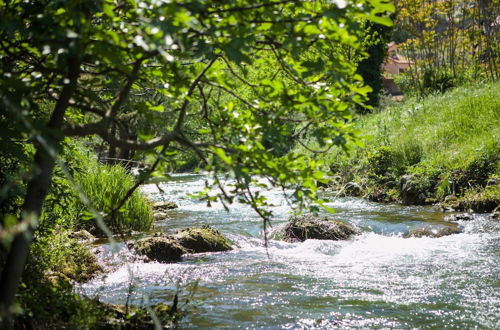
x=449 y=43
x=155 y=82
x=72 y=202
x=46 y=292
x=440 y=146
x=105 y=186
x=232 y=88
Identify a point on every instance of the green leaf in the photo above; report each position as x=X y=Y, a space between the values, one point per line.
x=222 y=155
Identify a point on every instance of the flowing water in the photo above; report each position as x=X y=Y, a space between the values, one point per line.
x=379 y=279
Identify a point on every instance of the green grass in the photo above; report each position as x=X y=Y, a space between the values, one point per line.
x=438 y=136
x=105 y=186
x=94 y=187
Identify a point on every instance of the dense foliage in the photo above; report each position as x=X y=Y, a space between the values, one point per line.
x=449 y=42
x=235 y=83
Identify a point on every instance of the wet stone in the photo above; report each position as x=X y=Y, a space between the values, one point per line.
x=160 y=216
x=458 y=217
x=434 y=232
x=161 y=206
x=308 y=227
x=160 y=248
x=202 y=239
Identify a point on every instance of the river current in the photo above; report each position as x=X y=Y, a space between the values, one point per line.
x=379 y=279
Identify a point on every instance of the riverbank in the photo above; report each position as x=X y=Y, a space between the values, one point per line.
x=444 y=149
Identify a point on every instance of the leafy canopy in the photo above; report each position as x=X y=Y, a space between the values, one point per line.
x=236 y=82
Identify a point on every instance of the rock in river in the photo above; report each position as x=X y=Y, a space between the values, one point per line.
x=161 y=206
x=308 y=227
x=458 y=217
x=160 y=216
x=434 y=232
x=202 y=239
x=160 y=248
x=165 y=248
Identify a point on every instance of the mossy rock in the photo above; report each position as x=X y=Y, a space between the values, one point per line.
x=351 y=189
x=202 y=239
x=81 y=266
x=308 y=227
x=482 y=201
x=82 y=236
x=434 y=232
x=161 y=206
x=160 y=216
x=160 y=248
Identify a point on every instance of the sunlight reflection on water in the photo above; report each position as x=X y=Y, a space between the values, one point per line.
x=378 y=279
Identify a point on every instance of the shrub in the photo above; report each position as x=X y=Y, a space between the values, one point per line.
x=380 y=161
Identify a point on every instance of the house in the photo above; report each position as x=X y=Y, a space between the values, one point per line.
x=395 y=62
x=394 y=65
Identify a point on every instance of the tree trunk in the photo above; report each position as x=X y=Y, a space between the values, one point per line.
x=37 y=189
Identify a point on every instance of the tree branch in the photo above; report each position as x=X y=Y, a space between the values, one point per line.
x=183 y=110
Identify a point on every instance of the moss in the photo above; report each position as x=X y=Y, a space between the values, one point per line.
x=82 y=236
x=202 y=239
x=308 y=227
x=58 y=253
x=382 y=194
x=478 y=200
x=160 y=248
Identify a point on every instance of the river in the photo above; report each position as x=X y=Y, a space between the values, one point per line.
x=378 y=279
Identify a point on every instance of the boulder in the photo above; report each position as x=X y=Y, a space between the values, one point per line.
x=308 y=227
x=458 y=217
x=434 y=232
x=411 y=193
x=82 y=236
x=161 y=206
x=160 y=248
x=202 y=239
x=160 y=216
x=351 y=189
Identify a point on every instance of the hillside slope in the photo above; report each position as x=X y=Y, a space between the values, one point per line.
x=443 y=148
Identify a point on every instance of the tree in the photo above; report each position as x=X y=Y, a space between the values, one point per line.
x=449 y=41
x=86 y=68
x=370 y=68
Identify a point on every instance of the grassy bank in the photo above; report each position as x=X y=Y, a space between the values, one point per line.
x=443 y=147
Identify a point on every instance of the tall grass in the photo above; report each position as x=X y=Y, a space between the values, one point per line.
x=105 y=186
x=445 y=132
